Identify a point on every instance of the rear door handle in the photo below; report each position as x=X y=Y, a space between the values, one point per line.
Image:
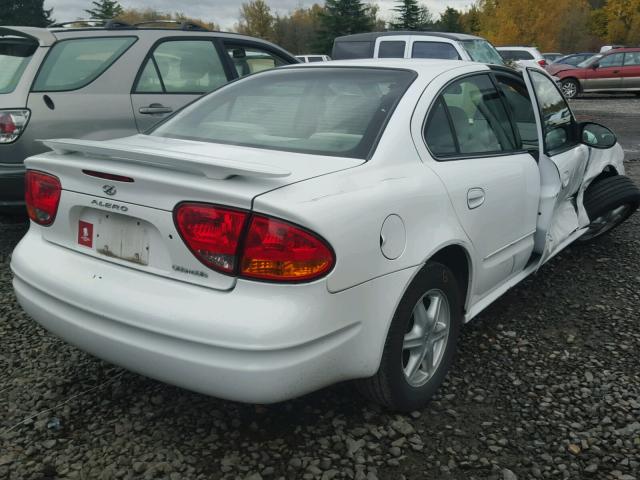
x=155 y=108
x=475 y=198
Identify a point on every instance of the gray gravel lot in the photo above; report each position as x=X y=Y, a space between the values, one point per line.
x=546 y=385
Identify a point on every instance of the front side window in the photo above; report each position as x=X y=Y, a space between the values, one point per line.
x=516 y=55
x=477 y=117
x=482 y=51
x=182 y=66
x=522 y=112
x=557 y=119
x=73 y=64
x=391 y=49
x=316 y=58
x=251 y=59
x=632 y=59
x=441 y=50
x=15 y=55
x=614 y=60
x=328 y=111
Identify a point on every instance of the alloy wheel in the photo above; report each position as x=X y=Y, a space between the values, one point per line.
x=426 y=337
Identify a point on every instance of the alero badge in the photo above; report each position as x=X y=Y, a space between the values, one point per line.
x=109 y=190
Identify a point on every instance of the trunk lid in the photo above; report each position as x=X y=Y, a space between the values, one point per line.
x=131 y=223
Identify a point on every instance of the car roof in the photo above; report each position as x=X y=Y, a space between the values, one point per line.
x=370 y=36
x=622 y=49
x=425 y=68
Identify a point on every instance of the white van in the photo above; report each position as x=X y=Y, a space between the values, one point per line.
x=413 y=44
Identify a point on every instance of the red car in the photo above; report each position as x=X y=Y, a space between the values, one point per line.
x=614 y=71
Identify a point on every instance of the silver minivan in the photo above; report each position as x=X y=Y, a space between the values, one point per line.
x=108 y=81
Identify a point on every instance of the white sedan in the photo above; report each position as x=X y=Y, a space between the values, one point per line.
x=314 y=224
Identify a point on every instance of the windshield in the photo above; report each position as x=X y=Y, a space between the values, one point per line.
x=590 y=60
x=482 y=51
x=324 y=111
x=15 y=54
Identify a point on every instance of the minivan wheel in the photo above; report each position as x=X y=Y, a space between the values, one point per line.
x=609 y=202
x=570 y=88
x=421 y=342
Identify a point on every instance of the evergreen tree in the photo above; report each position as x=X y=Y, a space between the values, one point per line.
x=408 y=15
x=344 y=17
x=105 y=9
x=25 y=12
x=450 y=20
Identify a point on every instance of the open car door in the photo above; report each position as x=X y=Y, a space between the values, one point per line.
x=563 y=160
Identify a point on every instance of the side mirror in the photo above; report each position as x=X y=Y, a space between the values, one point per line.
x=595 y=65
x=597 y=136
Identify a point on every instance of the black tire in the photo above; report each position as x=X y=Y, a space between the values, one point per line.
x=570 y=88
x=605 y=196
x=389 y=386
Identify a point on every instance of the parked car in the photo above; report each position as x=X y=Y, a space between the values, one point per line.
x=567 y=62
x=606 y=48
x=523 y=56
x=552 y=57
x=615 y=71
x=313 y=58
x=247 y=250
x=413 y=44
x=106 y=82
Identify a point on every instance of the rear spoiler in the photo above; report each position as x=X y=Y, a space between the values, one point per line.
x=41 y=35
x=185 y=162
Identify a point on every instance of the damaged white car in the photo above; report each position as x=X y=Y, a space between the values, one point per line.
x=314 y=224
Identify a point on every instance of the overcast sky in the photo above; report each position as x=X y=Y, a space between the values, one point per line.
x=223 y=12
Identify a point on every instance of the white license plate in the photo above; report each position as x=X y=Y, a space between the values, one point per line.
x=122 y=237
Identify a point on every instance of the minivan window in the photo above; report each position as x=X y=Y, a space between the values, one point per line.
x=15 y=54
x=391 y=49
x=482 y=51
x=328 y=111
x=350 y=50
x=434 y=50
x=73 y=64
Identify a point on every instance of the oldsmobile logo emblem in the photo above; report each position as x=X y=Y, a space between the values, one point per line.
x=109 y=189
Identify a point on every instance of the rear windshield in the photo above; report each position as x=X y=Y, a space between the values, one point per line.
x=349 y=50
x=324 y=111
x=15 y=54
x=73 y=64
x=482 y=51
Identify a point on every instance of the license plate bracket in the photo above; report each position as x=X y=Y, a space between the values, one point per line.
x=122 y=237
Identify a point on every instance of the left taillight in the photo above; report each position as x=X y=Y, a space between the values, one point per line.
x=12 y=124
x=542 y=63
x=42 y=196
x=252 y=246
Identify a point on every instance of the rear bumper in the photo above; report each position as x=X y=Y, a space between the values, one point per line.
x=260 y=343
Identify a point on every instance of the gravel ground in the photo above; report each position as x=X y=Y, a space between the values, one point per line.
x=546 y=385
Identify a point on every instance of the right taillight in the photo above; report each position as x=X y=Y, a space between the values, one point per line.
x=252 y=246
x=12 y=124
x=42 y=196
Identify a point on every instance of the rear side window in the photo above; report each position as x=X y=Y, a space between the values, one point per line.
x=516 y=55
x=73 y=64
x=348 y=50
x=315 y=59
x=15 y=54
x=249 y=60
x=391 y=49
x=631 y=59
x=434 y=50
x=184 y=66
x=477 y=118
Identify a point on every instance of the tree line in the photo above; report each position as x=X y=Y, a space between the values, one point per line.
x=551 y=25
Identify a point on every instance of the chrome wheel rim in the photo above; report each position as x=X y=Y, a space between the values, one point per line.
x=426 y=337
x=606 y=222
x=569 y=89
